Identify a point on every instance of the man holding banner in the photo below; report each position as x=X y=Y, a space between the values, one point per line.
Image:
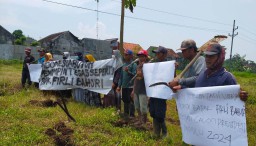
x=139 y=89
x=215 y=74
x=157 y=106
x=25 y=72
x=213 y=115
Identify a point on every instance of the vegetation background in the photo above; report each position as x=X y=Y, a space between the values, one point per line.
x=23 y=123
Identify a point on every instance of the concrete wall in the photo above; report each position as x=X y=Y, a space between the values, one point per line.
x=100 y=49
x=104 y=50
x=8 y=51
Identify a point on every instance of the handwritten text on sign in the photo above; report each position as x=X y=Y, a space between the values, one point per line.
x=212 y=116
x=64 y=74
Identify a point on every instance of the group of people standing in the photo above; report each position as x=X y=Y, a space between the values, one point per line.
x=129 y=81
x=207 y=71
x=91 y=98
x=29 y=59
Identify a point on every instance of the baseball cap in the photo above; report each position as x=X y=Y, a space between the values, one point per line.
x=41 y=50
x=142 y=52
x=160 y=49
x=213 y=49
x=27 y=49
x=79 y=53
x=187 y=44
x=129 y=52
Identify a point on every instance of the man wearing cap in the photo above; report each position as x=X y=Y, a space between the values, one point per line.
x=25 y=72
x=189 y=51
x=157 y=106
x=40 y=61
x=127 y=72
x=139 y=90
x=80 y=56
x=216 y=74
x=42 y=56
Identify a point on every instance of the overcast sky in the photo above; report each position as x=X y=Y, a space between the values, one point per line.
x=153 y=23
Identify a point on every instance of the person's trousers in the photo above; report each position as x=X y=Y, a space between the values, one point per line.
x=118 y=100
x=158 y=127
x=25 y=76
x=141 y=103
x=128 y=102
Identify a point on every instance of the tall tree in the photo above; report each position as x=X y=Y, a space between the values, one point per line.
x=130 y=4
x=19 y=37
x=17 y=34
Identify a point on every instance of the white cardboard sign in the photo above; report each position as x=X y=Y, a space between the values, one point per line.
x=35 y=72
x=158 y=72
x=212 y=116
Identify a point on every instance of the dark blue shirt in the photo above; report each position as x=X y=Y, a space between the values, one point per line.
x=219 y=78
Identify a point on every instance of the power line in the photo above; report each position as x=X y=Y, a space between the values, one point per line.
x=195 y=18
x=135 y=18
x=179 y=15
x=245 y=39
x=246 y=30
x=248 y=37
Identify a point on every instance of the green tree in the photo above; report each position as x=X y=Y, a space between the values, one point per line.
x=35 y=43
x=128 y=4
x=125 y=4
x=17 y=34
x=19 y=37
x=239 y=63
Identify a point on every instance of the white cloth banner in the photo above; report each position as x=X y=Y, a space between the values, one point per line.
x=212 y=116
x=159 y=72
x=68 y=74
x=35 y=72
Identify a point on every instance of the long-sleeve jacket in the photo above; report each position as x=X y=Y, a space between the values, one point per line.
x=27 y=59
x=219 y=78
x=189 y=78
x=125 y=78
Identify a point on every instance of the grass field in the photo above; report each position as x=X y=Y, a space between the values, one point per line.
x=24 y=123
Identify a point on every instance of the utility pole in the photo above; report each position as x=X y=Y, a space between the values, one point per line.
x=97 y=27
x=233 y=35
x=97 y=30
x=121 y=48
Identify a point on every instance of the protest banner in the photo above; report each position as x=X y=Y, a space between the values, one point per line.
x=159 y=72
x=212 y=116
x=68 y=74
x=35 y=72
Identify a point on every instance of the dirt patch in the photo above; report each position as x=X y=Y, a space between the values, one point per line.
x=133 y=123
x=173 y=121
x=43 y=103
x=61 y=134
x=50 y=132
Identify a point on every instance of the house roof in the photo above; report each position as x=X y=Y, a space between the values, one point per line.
x=55 y=36
x=134 y=47
x=170 y=52
x=3 y=30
